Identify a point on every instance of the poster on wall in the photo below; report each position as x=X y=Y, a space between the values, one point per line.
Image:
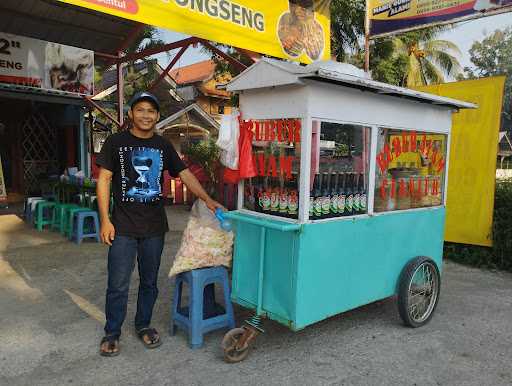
x=291 y=29
x=391 y=16
x=37 y=63
x=3 y=191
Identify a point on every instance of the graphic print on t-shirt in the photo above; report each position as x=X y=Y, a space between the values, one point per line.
x=141 y=170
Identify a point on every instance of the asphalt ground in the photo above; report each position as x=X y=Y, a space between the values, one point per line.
x=52 y=295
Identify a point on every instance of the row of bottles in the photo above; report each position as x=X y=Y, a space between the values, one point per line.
x=276 y=196
x=336 y=195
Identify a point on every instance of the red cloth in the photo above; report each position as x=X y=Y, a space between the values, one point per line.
x=231 y=176
x=246 y=161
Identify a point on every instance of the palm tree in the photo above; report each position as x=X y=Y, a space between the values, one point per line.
x=428 y=60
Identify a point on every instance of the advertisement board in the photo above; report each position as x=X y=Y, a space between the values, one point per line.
x=37 y=63
x=390 y=16
x=291 y=29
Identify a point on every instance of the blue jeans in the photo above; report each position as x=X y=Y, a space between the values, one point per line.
x=121 y=262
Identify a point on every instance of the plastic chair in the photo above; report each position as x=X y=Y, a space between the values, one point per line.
x=28 y=208
x=199 y=318
x=68 y=217
x=44 y=214
x=81 y=232
x=58 y=219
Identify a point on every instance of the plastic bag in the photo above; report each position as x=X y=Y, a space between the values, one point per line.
x=246 y=163
x=224 y=139
x=229 y=152
x=204 y=243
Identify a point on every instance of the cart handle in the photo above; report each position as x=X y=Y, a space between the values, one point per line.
x=262 y=222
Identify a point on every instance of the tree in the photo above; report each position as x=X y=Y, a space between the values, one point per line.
x=492 y=57
x=427 y=60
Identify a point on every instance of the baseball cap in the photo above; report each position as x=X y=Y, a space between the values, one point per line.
x=145 y=96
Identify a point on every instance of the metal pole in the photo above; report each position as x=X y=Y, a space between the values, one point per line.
x=367 y=38
x=120 y=90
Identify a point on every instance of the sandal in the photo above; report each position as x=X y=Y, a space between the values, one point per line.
x=113 y=343
x=153 y=336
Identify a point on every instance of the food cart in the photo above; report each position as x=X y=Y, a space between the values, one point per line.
x=348 y=203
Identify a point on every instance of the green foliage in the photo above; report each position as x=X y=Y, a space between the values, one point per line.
x=492 y=57
x=206 y=154
x=347 y=28
x=500 y=255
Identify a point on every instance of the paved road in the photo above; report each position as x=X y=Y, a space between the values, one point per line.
x=51 y=311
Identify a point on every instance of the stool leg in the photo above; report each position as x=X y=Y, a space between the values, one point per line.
x=97 y=226
x=79 y=228
x=196 y=314
x=227 y=300
x=39 y=218
x=176 y=303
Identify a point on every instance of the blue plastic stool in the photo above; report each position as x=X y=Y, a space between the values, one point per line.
x=30 y=207
x=197 y=319
x=79 y=232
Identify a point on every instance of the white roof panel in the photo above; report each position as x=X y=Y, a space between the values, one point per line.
x=272 y=73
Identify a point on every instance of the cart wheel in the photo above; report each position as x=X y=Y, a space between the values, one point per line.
x=231 y=353
x=418 y=294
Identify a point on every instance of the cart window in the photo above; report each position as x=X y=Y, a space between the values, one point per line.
x=276 y=151
x=339 y=170
x=410 y=170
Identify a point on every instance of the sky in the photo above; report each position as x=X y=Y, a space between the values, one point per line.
x=463 y=35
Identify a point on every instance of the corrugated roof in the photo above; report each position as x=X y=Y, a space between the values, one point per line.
x=57 y=22
x=197 y=72
x=338 y=73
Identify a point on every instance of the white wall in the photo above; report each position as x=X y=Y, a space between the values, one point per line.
x=330 y=101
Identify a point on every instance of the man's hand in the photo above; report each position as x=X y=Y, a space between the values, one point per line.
x=212 y=205
x=108 y=232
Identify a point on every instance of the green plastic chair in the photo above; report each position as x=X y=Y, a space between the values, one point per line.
x=40 y=220
x=58 y=220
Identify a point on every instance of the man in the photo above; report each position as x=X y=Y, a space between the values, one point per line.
x=133 y=161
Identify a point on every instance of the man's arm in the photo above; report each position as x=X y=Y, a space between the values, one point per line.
x=103 y=196
x=195 y=187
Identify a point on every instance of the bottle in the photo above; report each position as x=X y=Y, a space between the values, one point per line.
x=342 y=196
x=283 y=200
x=274 y=200
x=334 y=195
x=349 y=204
x=317 y=215
x=357 y=195
x=293 y=197
x=326 y=195
x=266 y=197
x=363 y=197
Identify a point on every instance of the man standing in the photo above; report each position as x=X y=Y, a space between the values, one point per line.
x=133 y=161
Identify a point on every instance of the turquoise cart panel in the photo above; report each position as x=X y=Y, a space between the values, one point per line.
x=331 y=267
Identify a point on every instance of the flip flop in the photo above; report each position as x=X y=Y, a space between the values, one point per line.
x=113 y=342
x=153 y=336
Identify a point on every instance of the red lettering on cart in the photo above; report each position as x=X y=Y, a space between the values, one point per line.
x=383 y=188
x=402 y=189
x=280 y=124
x=261 y=164
x=397 y=147
x=258 y=135
x=393 y=187
x=425 y=192
x=285 y=164
x=405 y=143
x=413 y=141
x=435 y=187
x=440 y=166
x=272 y=166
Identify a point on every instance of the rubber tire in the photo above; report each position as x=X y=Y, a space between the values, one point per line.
x=233 y=356
x=403 y=290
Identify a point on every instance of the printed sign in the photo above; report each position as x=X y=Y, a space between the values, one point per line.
x=389 y=16
x=37 y=63
x=292 y=29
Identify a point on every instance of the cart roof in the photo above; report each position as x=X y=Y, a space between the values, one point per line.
x=273 y=73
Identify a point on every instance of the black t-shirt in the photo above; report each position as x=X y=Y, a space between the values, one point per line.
x=137 y=165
